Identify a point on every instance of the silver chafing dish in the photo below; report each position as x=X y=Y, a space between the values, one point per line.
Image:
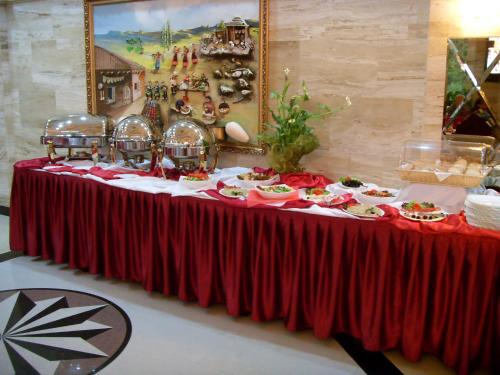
x=134 y=135
x=189 y=143
x=77 y=131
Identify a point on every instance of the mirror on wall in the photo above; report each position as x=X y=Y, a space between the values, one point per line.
x=472 y=96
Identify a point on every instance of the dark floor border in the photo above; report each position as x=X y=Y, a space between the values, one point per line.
x=4 y=210
x=373 y=363
x=10 y=255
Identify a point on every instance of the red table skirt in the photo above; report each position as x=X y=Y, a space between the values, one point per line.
x=387 y=286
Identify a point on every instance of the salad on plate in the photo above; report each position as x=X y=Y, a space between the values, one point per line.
x=351 y=182
x=281 y=191
x=234 y=192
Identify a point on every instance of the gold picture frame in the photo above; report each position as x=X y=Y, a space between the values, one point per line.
x=255 y=123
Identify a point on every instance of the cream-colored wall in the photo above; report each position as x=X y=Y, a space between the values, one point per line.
x=373 y=51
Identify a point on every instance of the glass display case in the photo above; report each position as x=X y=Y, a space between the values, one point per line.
x=446 y=162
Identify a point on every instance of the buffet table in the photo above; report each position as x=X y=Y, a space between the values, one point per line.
x=392 y=283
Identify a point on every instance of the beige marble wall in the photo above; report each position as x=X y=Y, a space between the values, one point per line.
x=373 y=51
x=452 y=19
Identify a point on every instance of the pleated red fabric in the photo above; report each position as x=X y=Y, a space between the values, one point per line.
x=392 y=284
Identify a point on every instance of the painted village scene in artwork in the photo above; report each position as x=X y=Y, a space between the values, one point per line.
x=167 y=60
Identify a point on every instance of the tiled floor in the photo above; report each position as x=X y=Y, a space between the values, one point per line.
x=172 y=337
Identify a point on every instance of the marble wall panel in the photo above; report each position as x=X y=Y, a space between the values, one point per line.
x=373 y=51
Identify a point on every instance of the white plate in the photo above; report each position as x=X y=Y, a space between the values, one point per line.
x=222 y=192
x=255 y=183
x=194 y=184
x=380 y=213
x=277 y=196
x=367 y=199
x=408 y=216
x=317 y=198
x=338 y=188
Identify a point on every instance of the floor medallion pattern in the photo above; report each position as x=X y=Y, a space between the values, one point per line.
x=56 y=332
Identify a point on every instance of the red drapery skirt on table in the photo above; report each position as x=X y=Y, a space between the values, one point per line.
x=388 y=286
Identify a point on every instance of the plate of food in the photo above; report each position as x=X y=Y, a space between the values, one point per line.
x=365 y=211
x=376 y=196
x=253 y=179
x=317 y=195
x=281 y=191
x=422 y=211
x=351 y=182
x=234 y=192
x=195 y=180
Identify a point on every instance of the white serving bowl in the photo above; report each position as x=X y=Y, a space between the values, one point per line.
x=277 y=196
x=367 y=199
x=195 y=185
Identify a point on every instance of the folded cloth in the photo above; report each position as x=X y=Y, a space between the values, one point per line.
x=110 y=174
x=304 y=180
x=344 y=199
x=297 y=180
x=266 y=171
x=37 y=163
x=235 y=202
x=66 y=168
x=254 y=199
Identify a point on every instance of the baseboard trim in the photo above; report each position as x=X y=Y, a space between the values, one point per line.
x=4 y=210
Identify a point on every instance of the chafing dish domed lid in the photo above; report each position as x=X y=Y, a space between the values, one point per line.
x=135 y=128
x=78 y=125
x=187 y=133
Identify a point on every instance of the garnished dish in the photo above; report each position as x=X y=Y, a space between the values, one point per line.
x=234 y=192
x=196 y=176
x=422 y=211
x=378 y=193
x=351 y=182
x=376 y=196
x=317 y=195
x=254 y=177
x=316 y=192
x=281 y=191
x=195 y=180
x=365 y=210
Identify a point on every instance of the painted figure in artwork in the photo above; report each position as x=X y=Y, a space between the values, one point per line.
x=175 y=58
x=173 y=84
x=185 y=54
x=164 y=91
x=194 y=57
x=157 y=58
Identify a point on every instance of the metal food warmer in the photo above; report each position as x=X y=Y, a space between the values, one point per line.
x=189 y=144
x=134 y=136
x=77 y=131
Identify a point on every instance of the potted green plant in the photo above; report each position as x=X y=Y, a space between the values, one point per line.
x=289 y=138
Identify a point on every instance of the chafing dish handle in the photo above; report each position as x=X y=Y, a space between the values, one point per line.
x=216 y=156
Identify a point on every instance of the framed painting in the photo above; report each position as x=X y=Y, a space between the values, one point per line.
x=171 y=59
